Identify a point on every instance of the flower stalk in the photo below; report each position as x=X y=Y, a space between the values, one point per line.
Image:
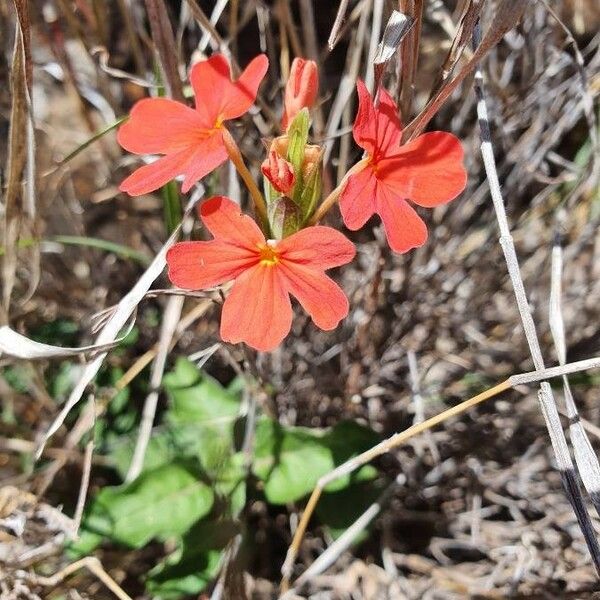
x=333 y=197
x=236 y=158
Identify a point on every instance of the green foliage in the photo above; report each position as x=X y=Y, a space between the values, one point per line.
x=195 y=563
x=60 y=332
x=193 y=484
x=290 y=460
x=160 y=503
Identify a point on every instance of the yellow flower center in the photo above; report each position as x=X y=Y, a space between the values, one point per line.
x=268 y=254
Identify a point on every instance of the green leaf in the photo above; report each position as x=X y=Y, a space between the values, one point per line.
x=162 y=449
x=202 y=414
x=196 y=397
x=230 y=483
x=198 y=424
x=290 y=460
x=90 y=242
x=160 y=503
x=195 y=563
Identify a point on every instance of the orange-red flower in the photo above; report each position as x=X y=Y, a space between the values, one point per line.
x=300 y=90
x=190 y=139
x=258 y=309
x=427 y=170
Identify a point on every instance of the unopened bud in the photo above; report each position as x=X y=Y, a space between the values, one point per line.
x=279 y=172
x=301 y=89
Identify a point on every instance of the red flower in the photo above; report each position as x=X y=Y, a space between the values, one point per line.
x=258 y=310
x=279 y=172
x=300 y=90
x=427 y=170
x=189 y=139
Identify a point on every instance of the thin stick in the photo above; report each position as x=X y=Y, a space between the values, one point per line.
x=85 y=484
x=236 y=158
x=341 y=544
x=385 y=446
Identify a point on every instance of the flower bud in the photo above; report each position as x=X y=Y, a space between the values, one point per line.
x=301 y=89
x=279 y=172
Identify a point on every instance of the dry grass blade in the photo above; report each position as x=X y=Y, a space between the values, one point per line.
x=402 y=437
x=167 y=331
x=19 y=199
x=410 y=54
x=587 y=101
x=162 y=35
x=16 y=345
x=506 y=16
x=342 y=543
x=396 y=29
x=91 y=563
x=460 y=43
x=585 y=457
x=110 y=331
x=337 y=24
x=546 y=398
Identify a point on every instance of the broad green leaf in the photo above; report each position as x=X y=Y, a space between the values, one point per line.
x=195 y=563
x=160 y=503
x=202 y=414
x=199 y=423
x=230 y=483
x=162 y=449
x=196 y=397
x=290 y=460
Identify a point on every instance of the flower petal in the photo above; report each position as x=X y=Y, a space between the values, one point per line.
x=225 y=220
x=320 y=296
x=159 y=126
x=200 y=265
x=220 y=98
x=258 y=309
x=209 y=154
x=318 y=247
x=150 y=177
x=429 y=170
x=389 y=127
x=404 y=228
x=376 y=129
x=357 y=201
x=364 y=129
